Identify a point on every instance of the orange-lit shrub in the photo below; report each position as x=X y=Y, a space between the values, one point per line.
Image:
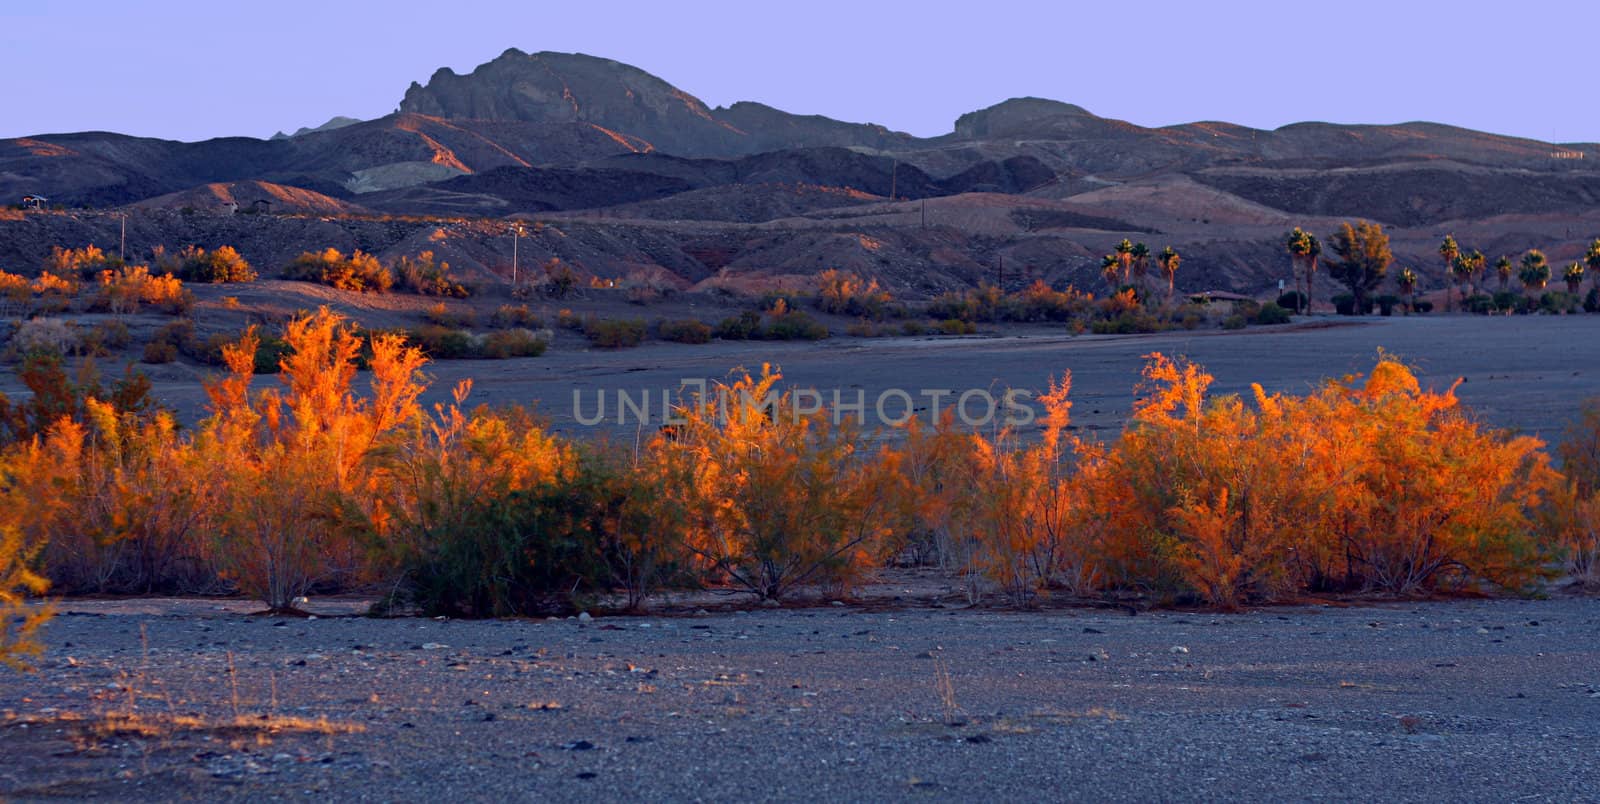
x=122 y=291
x=776 y=499
x=79 y=263
x=359 y=272
x=1359 y=485
x=293 y=459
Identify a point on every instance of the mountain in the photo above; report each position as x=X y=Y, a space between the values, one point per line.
x=337 y=121
x=575 y=88
x=643 y=176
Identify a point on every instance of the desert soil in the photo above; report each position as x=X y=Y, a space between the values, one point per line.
x=1425 y=701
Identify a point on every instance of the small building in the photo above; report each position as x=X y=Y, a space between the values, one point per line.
x=34 y=202
x=1210 y=296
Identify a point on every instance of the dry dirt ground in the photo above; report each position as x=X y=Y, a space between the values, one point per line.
x=1427 y=701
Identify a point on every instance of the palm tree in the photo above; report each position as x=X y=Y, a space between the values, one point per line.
x=1169 y=260
x=1535 y=273
x=1124 y=257
x=1449 y=251
x=1406 y=280
x=1502 y=268
x=1111 y=271
x=1574 y=277
x=1592 y=259
x=1460 y=272
x=1303 y=248
x=1476 y=263
x=1139 y=258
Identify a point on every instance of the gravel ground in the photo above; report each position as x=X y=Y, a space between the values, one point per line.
x=1399 y=701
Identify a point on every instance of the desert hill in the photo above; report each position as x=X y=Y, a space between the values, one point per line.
x=641 y=176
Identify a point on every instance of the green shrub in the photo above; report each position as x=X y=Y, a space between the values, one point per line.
x=956 y=326
x=1235 y=321
x=614 y=333
x=1292 y=300
x=1591 y=302
x=687 y=330
x=1422 y=306
x=1270 y=314
x=742 y=327
x=913 y=327
x=532 y=552
x=1557 y=302
x=1480 y=303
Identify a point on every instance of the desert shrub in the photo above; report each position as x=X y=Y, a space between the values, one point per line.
x=290 y=479
x=1373 y=485
x=44 y=336
x=224 y=265
x=358 y=272
x=15 y=294
x=844 y=293
x=791 y=326
x=80 y=263
x=103 y=338
x=507 y=343
x=775 y=499
x=566 y=319
x=646 y=288
x=614 y=333
x=913 y=327
x=558 y=279
x=445 y=343
x=862 y=328
x=956 y=326
x=54 y=293
x=508 y=316
x=425 y=276
x=688 y=330
x=158 y=352
x=1234 y=321
x=1271 y=314
x=19 y=622
x=124 y=290
x=742 y=327
x=444 y=316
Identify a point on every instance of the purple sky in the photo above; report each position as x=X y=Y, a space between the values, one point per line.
x=192 y=70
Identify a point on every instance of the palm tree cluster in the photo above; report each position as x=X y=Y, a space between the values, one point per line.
x=1128 y=265
x=1364 y=257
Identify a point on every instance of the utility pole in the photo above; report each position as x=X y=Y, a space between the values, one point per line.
x=516 y=237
